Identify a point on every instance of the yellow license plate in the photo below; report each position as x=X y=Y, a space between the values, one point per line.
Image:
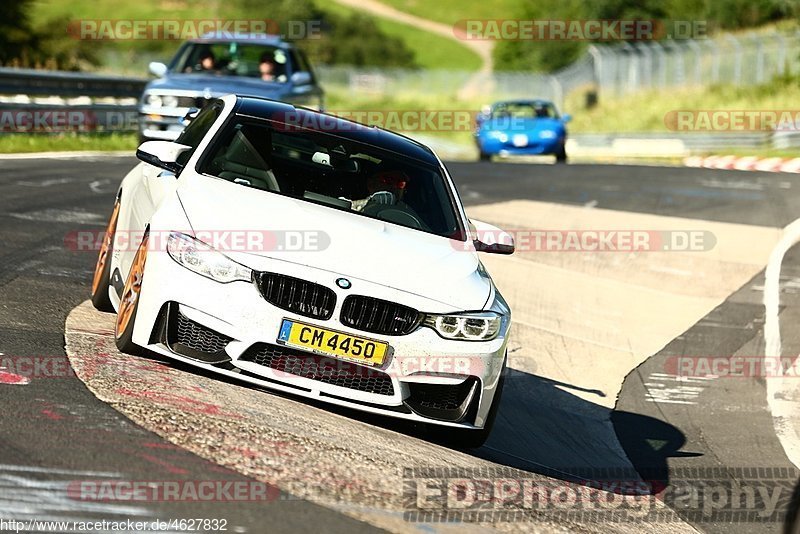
x=331 y=343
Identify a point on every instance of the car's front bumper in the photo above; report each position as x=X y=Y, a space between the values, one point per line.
x=161 y=124
x=421 y=368
x=532 y=147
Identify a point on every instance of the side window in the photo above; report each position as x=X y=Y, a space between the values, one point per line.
x=197 y=130
x=301 y=64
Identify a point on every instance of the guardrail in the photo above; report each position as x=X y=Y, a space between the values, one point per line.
x=54 y=102
x=671 y=144
x=96 y=113
x=68 y=84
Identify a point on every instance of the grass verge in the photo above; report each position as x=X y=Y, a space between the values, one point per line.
x=431 y=51
x=451 y=11
x=66 y=142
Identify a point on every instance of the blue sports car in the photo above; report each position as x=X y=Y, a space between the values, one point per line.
x=521 y=128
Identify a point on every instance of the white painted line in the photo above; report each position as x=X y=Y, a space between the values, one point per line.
x=63 y=216
x=659 y=392
x=53 y=471
x=670 y=270
x=45 y=183
x=95 y=186
x=63 y=155
x=732 y=184
x=785 y=413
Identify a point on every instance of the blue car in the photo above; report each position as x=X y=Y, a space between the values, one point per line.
x=521 y=128
x=214 y=65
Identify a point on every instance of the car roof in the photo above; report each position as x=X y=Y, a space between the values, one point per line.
x=252 y=38
x=331 y=124
x=523 y=102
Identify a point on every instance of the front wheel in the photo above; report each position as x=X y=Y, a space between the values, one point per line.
x=483 y=156
x=129 y=302
x=102 y=269
x=561 y=155
x=462 y=438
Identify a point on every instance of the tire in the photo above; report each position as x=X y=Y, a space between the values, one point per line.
x=101 y=280
x=483 y=156
x=561 y=155
x=458 y=438
x=129 y=302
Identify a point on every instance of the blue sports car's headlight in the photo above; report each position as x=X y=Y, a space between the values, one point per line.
x=548 y=134
x=500 y=136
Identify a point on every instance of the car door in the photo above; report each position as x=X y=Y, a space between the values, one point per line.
x=157 y=184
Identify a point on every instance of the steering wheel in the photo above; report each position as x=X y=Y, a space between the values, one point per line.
x=401 y=217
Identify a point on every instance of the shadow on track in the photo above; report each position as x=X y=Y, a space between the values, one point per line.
x=542 y=428
x=545 y=429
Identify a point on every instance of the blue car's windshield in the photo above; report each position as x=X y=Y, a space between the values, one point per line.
x=525 y=110
x=266 y=62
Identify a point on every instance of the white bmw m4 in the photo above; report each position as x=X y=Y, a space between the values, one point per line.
x=311 y=255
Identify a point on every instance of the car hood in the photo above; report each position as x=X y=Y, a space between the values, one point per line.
x=519 y=125
x=219 y=85
x=348 y=245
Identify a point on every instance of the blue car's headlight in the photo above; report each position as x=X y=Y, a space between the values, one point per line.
x=548 y=134
x=500 y=136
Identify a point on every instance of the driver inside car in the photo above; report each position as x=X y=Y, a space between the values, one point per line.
x=386 y=188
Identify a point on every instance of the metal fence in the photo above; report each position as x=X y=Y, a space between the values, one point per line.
x=611 y=70
x=744 y=60
x=444 y=85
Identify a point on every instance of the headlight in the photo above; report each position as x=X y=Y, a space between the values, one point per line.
x=154 y=101
x=169 y=101
x=478 y=326
x=502 y=137
x=548 y=134
x=204 y=260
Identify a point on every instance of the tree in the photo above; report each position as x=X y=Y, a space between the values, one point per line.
x=16 y=35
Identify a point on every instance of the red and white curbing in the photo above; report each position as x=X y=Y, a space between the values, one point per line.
x=746 y=163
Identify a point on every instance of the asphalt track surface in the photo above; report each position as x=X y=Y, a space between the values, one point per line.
x=53 y=431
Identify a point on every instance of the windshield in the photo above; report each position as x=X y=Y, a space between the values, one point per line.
x=268 y=63
x=525 y=110
x=338 y=173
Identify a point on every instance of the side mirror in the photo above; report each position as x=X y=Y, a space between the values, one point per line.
x=157 y=69
x=301 y=77
x=162 y=154
x=566 y=118
x=491 y=239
